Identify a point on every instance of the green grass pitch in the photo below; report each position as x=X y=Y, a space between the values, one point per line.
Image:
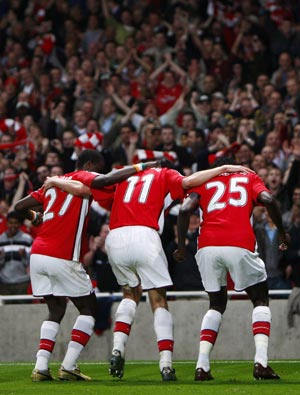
x=143 y=378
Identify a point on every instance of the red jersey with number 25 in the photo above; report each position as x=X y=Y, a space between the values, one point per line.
x=142 y=198
x=227 y=202
x=63 y=231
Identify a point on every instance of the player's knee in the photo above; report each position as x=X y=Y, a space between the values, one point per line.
x=132 y=293
x=56 y=315
x=157 y=301
x=220 y=308
x=264 y=301
x=258 y=294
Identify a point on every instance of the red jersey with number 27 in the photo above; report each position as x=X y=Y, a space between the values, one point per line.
x=63 y=231
x=227 y=203
x=142 y=198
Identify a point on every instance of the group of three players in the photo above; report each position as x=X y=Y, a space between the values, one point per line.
x=137 y=196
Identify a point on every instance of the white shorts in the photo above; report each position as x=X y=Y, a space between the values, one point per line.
x=58 y=277
x=137 y=257
x=245 y=267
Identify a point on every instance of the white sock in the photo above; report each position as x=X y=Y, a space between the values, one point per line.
x=48 y=332
x=81 y=334
x=261 y=324
x=163 y=326
x=124 y=318
x=209 y=331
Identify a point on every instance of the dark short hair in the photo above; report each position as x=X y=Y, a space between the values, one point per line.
x=128 y=125
x=89 y=155
x=223 y=160
x=15 y=215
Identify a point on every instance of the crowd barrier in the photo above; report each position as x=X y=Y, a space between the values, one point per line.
x=20 y=326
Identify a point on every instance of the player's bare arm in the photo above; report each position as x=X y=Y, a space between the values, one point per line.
x=73 y=187
x=274 y=212
x=27 y=207
x=200 y=177
x=77 y=188
x=119 y=175
x=188 y=206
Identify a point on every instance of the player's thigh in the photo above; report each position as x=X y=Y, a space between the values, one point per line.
x=212 y=269
x=136 y=255
x=121 y=248
x=152 y=264
x=59 y=277
x=246 y=268
x=40 y=279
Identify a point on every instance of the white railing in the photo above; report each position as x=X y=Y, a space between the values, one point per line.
x=171 y=294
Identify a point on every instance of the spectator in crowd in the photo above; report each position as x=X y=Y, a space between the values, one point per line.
x=65 y=148
x=280 y=75
x=41 y=173
x=196 y=144
x=89 y=92
x=292 y=100
x=258 y=163
x=221 y=249
x=56 y=170
x=10 y=183
x=266 y=234
x=15 y=248
x=275 y=184
x=52 y=158
x=110 y=121
x=4 y=207
x=185 y=275
x=159 y=49
x=244 y=155
x=168 y=143
x=273 y=141
x=272 y=103
x=80 y=122
x=121 y=21
x=291 y=257
x=201 y=108
x=123 y=154
x=151 y=136
x=168 y=79
x=287 y=216
x=268 y=154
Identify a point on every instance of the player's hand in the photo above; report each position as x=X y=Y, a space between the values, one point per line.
x=22 y=252
x=284 y=240
x=37 y=218
x=237 y=168
x=164 y=162
x=179 y=255
x=49 y=182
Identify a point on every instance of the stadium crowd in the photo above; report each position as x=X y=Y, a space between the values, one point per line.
x=188 y=80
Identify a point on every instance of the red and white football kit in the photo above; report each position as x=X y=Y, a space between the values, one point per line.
x=61 y=208
x=226 y=240
x=133 y=244
x=62 y=241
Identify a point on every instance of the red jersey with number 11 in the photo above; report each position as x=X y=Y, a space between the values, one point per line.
x=142 y=198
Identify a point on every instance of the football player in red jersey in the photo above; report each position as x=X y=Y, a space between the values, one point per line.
x=55 y=263
x=136 y=254
x=226 y=243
